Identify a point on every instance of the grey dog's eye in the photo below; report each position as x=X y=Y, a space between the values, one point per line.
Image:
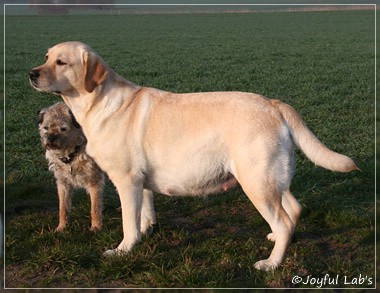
x=63 y=129
x=60 y=62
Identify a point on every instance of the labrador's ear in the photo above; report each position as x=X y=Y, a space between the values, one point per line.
x=95 y=72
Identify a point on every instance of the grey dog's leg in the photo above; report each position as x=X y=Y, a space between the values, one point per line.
x=64 y=205
x=96 y=197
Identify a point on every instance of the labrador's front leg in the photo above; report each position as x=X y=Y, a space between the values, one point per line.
x=148 y=216
x=130 y=191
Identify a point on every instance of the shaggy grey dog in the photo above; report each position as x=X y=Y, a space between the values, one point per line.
x=65 y=145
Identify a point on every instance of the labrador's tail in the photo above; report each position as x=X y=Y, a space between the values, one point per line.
x=311 y=146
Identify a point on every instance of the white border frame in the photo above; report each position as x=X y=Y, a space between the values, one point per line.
x=2 y=231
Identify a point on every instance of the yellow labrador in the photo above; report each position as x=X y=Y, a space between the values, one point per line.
x=147 y=140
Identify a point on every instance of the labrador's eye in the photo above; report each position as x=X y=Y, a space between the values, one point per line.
x=60 y=62
x=46 y=128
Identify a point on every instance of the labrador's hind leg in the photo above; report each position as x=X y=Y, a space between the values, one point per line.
x=292 y=208
x=263 y=191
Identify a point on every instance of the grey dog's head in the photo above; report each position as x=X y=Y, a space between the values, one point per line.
x=58 y=128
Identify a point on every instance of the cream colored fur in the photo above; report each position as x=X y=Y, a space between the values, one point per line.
x=147 y=139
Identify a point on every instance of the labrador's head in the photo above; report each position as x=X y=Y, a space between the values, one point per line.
x=70 y=68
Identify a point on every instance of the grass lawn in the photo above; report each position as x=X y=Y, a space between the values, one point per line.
x=322 y=63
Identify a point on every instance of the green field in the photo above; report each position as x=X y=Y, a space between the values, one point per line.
x=322 y=63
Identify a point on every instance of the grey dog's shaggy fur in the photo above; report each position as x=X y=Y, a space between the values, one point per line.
x=65 y=145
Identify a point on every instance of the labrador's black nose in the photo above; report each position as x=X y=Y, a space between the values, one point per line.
x=34 y=74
